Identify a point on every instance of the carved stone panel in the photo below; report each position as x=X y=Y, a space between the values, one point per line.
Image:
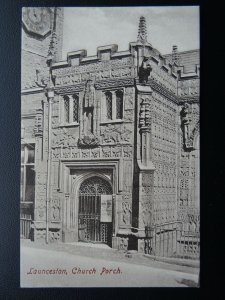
x=116 y=134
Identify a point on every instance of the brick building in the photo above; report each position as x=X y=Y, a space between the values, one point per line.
x=110 y=143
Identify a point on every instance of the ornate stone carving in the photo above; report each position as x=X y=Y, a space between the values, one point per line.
x=190 y=126
x=123 y=243
x=75 y=153
x=114 y=83
x=116 y=134
x=85 y=153
x=88 y=141
x=105 y=74
x=95 y=153
x=144 y=70
x=145 y=113
x=69 y=89
x=126 y=72
x=127 y=151
x=116 y=151
x=55 y=209
x=126 y=215
x=163 y=91
x=54 y=236
x=106 y=151
x=95 y=66
x=68 y=80
x=63 y=138
x=40 y=211
x=147 y=213
x=116 y=72
x=89 y=94
x=56 y=153
x=66 y=153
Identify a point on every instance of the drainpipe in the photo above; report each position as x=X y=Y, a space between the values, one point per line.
x=50 y=95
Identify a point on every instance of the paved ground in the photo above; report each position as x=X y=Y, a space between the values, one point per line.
x=62 y=265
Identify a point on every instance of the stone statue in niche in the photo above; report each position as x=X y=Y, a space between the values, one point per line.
x=89 y=94
x=144 y=70
x=88 y=121
x=126 y=213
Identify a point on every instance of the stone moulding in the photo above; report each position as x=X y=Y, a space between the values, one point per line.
x=114 y=83
x=155 y=86
x=69 y=89
x=88 y=141
x=114 y=164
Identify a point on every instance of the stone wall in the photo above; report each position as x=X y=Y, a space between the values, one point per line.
x=164 y=156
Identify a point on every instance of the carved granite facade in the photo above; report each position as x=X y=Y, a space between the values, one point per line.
x=127 y=118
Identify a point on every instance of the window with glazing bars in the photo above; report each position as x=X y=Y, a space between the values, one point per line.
x=66 y=109
x=27 y=181
x=109 y=105
x=119 y=105
x=71 y=109
x=75 y=108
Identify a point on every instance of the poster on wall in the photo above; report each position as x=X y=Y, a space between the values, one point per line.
x=106 y=208
x=112 y=109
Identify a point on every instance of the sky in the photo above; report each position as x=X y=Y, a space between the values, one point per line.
x=89 y=28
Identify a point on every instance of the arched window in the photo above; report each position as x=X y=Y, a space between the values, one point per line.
x=70 y=109
x=108 y=105
x=119 y=105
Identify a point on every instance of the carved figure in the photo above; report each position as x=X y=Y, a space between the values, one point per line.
x=144 y=70
x=126 y=213
x=89 y=94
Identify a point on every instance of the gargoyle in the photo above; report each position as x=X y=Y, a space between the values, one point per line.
x=144 y=70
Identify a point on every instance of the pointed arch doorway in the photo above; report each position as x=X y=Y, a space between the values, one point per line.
x=90 y=226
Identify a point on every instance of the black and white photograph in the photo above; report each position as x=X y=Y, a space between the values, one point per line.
x=110 y=143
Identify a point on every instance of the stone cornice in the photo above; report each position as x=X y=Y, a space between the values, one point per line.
x=191 y=99
x=70 y=89
x=32 y=91
x=160 y=89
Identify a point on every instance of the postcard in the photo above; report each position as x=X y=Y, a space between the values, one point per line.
x=110 y=147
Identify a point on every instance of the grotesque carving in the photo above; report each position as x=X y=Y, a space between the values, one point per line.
x=190 y=126
x=144 y=70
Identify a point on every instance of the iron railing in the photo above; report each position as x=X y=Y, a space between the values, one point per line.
x=170 y=240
